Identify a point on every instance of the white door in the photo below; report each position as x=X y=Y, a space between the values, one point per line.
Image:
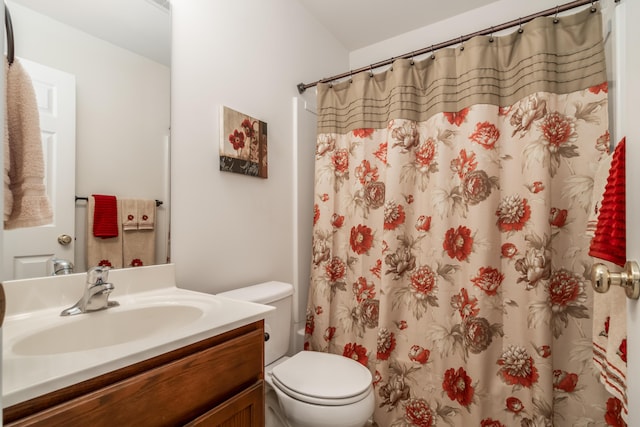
x=628 y=115
x=27 y=250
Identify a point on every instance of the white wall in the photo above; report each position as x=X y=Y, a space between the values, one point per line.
x=123 y=113
x=230 y=230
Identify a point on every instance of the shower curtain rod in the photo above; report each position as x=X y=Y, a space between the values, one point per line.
x=488 y=31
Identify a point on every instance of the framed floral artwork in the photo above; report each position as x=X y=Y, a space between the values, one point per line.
x=243 y=143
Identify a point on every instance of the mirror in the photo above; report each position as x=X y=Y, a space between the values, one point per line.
x=119 y=53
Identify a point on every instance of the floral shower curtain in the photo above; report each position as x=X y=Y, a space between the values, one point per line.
x=449 y=247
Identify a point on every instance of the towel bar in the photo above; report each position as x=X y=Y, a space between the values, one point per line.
x=629 y=279
x=86 y=199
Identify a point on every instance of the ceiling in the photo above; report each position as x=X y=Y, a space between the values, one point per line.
x=360 y=23
x=142 y=26
x=145 y=27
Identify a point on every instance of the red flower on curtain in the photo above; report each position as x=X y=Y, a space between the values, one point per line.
x=517 y=367
x=316 y=213
x=381 y=153
x=361 y=239
x=329 y=333
x=423 y=223
x=457 y=118
x=363 y=289
x=393 y=215
x=464 y=163
x=340 y=160
x=363 y=132
x=457 y=385
x=508 y=250
x=564 y=381
x=425 y=155
x=513 y=212
x=423 y=283
x=419 y=354
x=514 y=405
x=337 y=220
x=602 y=87
x=356 y=352
x=386 y=343
x=489 y=280
x=558 y=130
x=365 y=173
x=558 y=217
x=566 y=292
x=335 y=269
x=486 y=134
x=466 y=306
x=536 y=187
x=309 y=325
x=376 y=270
x=458 y=243
x=418 y=413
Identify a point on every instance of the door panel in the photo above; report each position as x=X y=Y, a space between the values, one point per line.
x=27 y=250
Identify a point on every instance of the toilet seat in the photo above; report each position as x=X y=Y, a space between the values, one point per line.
x=311 y=377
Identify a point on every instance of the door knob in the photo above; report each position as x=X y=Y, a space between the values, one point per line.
x=64 y=239
x=629 y=278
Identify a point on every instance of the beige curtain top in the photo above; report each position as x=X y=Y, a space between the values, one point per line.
x=561 y=57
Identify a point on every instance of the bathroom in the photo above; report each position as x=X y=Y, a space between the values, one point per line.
x=228 y=230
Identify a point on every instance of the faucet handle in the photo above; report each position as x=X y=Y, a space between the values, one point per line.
x=98 y=274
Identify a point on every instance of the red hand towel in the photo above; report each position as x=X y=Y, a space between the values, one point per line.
x=609 y=242
x=105 y=216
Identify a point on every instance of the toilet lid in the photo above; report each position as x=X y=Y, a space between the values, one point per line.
x=317 y=377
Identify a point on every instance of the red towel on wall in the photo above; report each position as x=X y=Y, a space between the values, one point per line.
x=609 y=242
x=105 y=216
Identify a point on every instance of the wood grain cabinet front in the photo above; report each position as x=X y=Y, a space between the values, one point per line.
x=215 y=382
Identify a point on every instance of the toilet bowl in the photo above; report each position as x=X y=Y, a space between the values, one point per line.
x=312 y=389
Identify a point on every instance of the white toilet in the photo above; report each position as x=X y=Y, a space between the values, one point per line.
x=308 y=389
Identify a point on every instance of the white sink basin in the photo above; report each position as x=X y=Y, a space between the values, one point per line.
x=104 y=328
x=43 y=351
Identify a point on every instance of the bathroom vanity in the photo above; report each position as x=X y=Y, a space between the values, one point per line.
x=204 y=369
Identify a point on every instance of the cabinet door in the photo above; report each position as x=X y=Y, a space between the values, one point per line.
x=244 y=410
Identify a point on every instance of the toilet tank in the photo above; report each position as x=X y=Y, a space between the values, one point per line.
x=277 y=324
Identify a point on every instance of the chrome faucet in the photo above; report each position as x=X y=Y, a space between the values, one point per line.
x=96 y=293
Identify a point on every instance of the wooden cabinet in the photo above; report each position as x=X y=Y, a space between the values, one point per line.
x=215 y=382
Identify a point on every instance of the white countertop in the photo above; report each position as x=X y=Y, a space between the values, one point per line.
x=34 y=305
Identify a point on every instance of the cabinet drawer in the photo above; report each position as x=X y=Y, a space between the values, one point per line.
x=244 y=410
x=171 y=394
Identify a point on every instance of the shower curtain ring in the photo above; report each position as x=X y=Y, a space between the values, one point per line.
x=520 y=30
x=350 y=76
x=433 y=55
x=593 y=7
x=370 y=70
x=412 y=61
x=555 y=17
x=391 y=60
x=491 y=36
x=461 y=44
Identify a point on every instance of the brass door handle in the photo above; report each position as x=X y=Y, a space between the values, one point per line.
x=64 y=239
x=629 y=278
